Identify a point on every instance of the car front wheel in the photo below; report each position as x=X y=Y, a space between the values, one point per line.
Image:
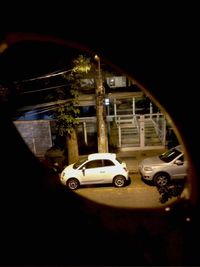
x=119 y=181
x=72 y=183
x=161 y=179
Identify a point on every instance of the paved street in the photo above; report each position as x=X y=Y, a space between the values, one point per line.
x=136 y=195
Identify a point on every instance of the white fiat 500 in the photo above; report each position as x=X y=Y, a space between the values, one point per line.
x=97 y=168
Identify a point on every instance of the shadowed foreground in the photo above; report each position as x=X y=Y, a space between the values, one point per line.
x=43 y=224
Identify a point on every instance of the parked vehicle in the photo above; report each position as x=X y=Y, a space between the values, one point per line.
x=162 y=169
x=96 y=168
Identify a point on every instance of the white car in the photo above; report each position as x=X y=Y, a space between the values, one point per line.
x=171 y=165
x=97 y=168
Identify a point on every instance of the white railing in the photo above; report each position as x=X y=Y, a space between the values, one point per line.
x=130 y=121
x=159 y=123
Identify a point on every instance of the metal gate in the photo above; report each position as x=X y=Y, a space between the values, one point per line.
x=134 y=132
x=141 y=131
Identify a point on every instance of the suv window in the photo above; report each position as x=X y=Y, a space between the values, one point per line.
x=169 y=155
x=181 y=158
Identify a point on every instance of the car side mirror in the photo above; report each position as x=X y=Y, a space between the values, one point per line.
x=83 y=170
x=179 y=162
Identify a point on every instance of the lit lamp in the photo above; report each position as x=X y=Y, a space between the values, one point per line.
x=96 y=57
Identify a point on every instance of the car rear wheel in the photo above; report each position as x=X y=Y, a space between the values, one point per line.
x=72 y=183
x=161 y=179
x=119 y=181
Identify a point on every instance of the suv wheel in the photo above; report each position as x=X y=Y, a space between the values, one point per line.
x=161 y=179
x=73 y=183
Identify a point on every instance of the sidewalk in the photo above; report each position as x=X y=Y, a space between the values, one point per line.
x=132 y=158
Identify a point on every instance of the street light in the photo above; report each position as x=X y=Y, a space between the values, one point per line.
x=101 y=112
x=100 y=83
x=96 y=57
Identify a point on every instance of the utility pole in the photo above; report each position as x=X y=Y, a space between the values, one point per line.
x=102 y=135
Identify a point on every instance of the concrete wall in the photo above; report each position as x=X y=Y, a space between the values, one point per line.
x=36 y=134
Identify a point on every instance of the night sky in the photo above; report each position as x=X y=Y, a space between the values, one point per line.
x=30 y=59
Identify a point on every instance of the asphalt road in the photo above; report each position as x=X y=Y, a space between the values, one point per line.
x=136 y=195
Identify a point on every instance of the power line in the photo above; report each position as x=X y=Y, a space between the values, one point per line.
x=43 y=89
x=44 y=105
x=36 y=112
x=52 y=74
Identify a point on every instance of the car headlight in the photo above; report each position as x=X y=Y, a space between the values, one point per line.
x=148 y=169
x=62 y=175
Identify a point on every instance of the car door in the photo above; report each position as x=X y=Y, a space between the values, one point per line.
x=92 y=172
x=109 y=170
x=179 y=168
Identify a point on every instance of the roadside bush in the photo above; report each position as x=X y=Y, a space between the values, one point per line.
x=55 y=155
x=113 y=137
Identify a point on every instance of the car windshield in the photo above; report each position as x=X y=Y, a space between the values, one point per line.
x=79 y=162
x=170 y=155
x=119 y=160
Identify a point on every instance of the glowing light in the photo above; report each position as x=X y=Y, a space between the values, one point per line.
x=96 y=57
x=3 y=47
x=167 y=209
x=188 y=219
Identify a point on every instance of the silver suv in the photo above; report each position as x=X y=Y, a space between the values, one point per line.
x=161 y=169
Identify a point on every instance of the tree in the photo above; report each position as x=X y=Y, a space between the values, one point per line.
x=67 y=114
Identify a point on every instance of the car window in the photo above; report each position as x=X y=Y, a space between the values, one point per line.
x=181 y=158
x=169 y=155
x=79 y=162
x=107 y=162
x=93 y=164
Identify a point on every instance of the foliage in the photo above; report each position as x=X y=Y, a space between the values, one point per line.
x=55 y=155
x=67 y=114
x=66 y=118
x=171 y=190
